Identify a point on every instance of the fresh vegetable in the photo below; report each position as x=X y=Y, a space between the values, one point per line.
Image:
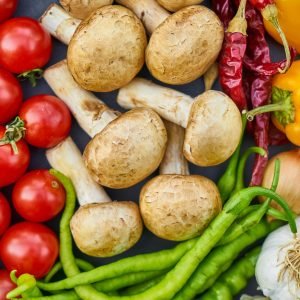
x=235 y=279
x=11 y=96
x=201 y=146
x=24 y=46
x=47 y=120
x=38 y=196
x=29 y=248
x=5 y=214
x=81 y=9
x=174 y=5
x=285 y=104
x=289 y=176
x=289 y=22
x=120 y=222
x=7 y=9
x=277 y=268
x=231 y=58
x=6 y=285
x=14 y=158
x=118 y=147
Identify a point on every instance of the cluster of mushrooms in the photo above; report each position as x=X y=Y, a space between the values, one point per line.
x=163 y=128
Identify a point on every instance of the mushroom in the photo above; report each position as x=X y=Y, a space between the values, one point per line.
x=175 y=205
x=100 y=227
x=120 y=145
x=174 y=5
x=182 y=45
x=81 y=9
x=213 y=122
x=107 y=49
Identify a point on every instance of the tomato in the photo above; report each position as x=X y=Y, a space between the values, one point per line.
x=38 y=196
x=7 y=8
x=24 y=45
x=5 y=214
x=10 y=96
x=6 y=285
x=47 y=120
x=12 y=166
x=29 y=248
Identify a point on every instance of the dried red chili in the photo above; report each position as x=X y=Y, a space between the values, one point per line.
x=224 y=10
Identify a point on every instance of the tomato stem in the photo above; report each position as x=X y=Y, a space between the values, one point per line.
x=32 y=76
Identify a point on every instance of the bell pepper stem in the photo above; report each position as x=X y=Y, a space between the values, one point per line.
x=265 y=109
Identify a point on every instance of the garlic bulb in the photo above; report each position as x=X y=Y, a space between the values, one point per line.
x=278 y=266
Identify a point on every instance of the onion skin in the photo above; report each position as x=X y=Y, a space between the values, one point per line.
x=289 y=180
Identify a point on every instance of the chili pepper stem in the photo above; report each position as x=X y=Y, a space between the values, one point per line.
x=239 y=23
x=270 y=13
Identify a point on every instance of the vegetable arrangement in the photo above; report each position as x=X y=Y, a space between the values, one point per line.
x=213 y=223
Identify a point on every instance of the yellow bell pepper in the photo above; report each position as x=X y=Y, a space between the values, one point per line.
x=285 y=103
x=289 y=19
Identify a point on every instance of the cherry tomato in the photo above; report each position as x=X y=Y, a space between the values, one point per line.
x=29 y=248
x=6 y=285
x=38 y=196
x=24 y=45
x=12 y=166
x=47 y=120
x=7 y=8
x=10 y=96
x=5 y=214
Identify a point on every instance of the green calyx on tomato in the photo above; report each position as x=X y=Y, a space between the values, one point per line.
x=32 y=76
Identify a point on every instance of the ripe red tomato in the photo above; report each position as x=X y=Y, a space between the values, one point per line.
x=29 y=248
x=47 y=120
x=10 y=95
x=38 y=196
x=24 y=45
x=5 y=214
x=6 y=285
x=12 y=166
x=7 y=8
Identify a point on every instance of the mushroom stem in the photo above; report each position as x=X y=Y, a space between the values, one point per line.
x=174 y=162
x=169 y=104
x=59 y=23
x=149 y=11
x=90 y=112
x=67 y=159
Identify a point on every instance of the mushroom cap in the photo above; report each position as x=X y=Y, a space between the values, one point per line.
x=214 y=129
x=107 y=50
x=128 y=150
x=185 y=45
x=179 y=207
x=81 y=9
x=106 y=229
x=174 y=5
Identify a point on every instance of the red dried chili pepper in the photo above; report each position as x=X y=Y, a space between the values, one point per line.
x=224 y=10
x=231 y=58
x=276 y=137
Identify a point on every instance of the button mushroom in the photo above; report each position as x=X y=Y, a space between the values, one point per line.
x=100 y=227
x=121 y=145
x=174 y=5
x=81 y=9
x=107 y=49
x=178 y=207
x=213 y=122
x=182 y=45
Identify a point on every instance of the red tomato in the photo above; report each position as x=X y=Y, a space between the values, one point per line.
x=6 y=285
x=12 y=166
x=47 y=120
x=7 y=8
x=10 y=96
x=38 y=196
x=24 y=45
x=29 y=248
x=5 y=214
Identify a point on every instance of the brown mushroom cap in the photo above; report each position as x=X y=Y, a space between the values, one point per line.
x=107 y=50
x=81 y=9
x=185 y=45
x=214 y=129
x=128 y=150
x=178 y=207
x=174 y=5
x=106 y=229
